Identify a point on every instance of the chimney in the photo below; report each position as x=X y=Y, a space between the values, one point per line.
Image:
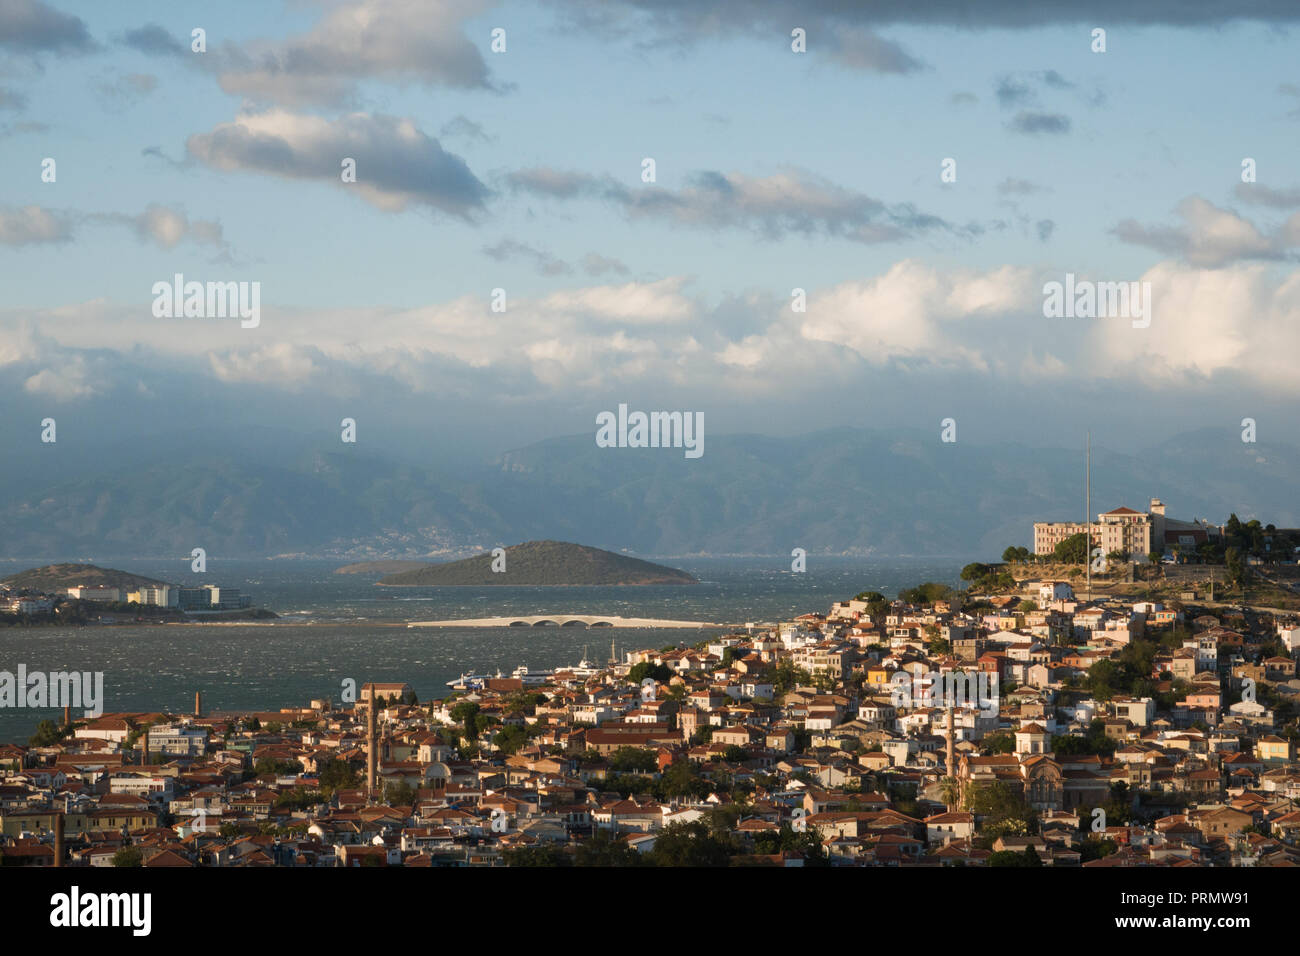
x=67 y=716
x=58 y=839
x=144 y=752
x=198 y=703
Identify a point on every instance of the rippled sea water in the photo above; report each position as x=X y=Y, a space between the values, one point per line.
x=333 y=627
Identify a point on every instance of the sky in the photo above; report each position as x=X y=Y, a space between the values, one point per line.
x=521 y=169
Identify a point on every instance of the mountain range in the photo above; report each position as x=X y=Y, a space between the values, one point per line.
x=842 y=491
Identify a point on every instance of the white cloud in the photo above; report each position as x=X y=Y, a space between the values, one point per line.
x=396 y=163
x=32 y=224
x=1210 y=236
x=400 y=41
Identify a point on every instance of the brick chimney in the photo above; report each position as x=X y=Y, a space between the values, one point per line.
x=198 y=703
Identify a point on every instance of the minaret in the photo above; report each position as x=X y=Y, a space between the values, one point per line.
x=952 y=770
x=371 y=745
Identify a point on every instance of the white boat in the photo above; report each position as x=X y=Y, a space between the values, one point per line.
x=470 y=680
x=531 y=677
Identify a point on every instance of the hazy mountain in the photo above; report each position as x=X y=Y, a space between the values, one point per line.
x=846 y=490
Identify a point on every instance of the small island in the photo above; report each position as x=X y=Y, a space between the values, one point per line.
x=542 y=564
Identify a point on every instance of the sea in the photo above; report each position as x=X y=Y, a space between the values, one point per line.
x=337 y=627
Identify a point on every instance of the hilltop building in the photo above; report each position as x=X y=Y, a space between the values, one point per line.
x=1137 y=533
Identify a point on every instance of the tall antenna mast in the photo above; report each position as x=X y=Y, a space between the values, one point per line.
x=1087 y=512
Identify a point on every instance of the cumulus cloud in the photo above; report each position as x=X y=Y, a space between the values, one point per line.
x=1241 y=319
x=1209 y=236
x=26 y=225
x=67 y=381
x=397 y=164
x=792 y=201
x=632 y=302
x=399 y=41
x=289 y=365
x=910 y=311
x=168 y=227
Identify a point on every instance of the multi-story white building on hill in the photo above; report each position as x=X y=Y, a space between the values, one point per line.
x=1136 y=533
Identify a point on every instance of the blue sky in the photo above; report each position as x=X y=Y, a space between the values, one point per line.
x=775 y=170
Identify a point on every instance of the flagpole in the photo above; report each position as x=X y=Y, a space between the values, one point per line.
x=1087 y=511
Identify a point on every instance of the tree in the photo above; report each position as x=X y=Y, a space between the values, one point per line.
x=1235 y=566
x=633 y=760
x=544 y=854
x=128 y=856
x=337 y=775
x=691 y=844
x=605 y=850
x=48 y=733
x=997 y=802
x=660 y=672
x=510 y=738
x=399 y=794
x=877 y=603
x=926 y=593
x=1073 y=550
x=466 y=714
x=950 y=790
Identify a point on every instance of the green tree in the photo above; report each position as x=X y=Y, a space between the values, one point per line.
x=1073 y=550
x=544 y=854
x=510 y=738
x=466 y=713
x=128 y=856
x=691 y=844
x=660 y=672
x=48 y=733
x=633 y=760
x=604 y=850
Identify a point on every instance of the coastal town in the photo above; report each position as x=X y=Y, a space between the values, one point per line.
x=1016 y=722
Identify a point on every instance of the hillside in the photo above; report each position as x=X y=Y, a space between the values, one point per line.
x=59 y=577
x=380 y=567
x=546 y=563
